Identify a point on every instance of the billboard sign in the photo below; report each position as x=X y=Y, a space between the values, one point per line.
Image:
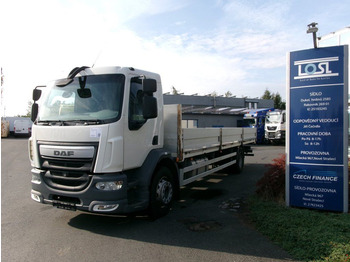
x=317 y=129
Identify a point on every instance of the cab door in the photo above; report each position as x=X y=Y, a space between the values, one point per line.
x=141 y=135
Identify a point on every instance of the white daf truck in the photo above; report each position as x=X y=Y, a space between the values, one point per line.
x=102 y=141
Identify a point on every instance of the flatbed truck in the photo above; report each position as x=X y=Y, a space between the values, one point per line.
x=102 y=141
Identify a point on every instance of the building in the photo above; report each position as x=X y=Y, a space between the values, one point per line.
x=339 y=37
x=214 y=111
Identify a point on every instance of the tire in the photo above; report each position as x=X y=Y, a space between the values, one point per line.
x=162 y=193
x=239 y=165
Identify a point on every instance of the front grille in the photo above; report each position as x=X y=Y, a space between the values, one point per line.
x=68 y=164
x=69 y=173
x=271 y=128
x=271 y=135
x=70 y=181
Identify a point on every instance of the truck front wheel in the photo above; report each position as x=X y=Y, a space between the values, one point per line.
x=162 y=193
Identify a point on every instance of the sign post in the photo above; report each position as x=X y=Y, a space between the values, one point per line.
x=317 y=129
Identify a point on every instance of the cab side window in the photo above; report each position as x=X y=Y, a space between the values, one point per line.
x=136 y=120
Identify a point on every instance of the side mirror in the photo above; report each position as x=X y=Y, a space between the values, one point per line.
x=149 y=86
x=149 y=107
x=35 y=110
x=36 y=94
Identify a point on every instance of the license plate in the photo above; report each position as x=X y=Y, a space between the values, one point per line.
x=64 y=205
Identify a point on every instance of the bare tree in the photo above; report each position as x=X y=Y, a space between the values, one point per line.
x=175 y=91
x=228 y=94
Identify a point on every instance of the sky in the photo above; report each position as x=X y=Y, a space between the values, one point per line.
x=197 y=46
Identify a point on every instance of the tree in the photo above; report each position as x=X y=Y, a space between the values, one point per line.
x=228 y=94
x=2 y=78
x=267 y=94
x=29 y=109
x=278 y=103
x=277 y=99
x=214 y=94
x=175 y=92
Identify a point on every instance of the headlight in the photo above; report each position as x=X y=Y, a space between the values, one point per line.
x=105 y=208
x=30 y=149
x=36 y=197
x=109 y=186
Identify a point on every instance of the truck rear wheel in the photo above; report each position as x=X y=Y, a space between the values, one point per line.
x=239 y=165
x=162 y=193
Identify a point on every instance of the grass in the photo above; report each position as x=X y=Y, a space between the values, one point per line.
x=307 y=235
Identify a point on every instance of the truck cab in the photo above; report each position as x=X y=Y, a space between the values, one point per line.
x=100 y=121
x=275 y=127
x=256 y=119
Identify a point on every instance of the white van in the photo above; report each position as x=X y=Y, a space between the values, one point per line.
x=22 y=127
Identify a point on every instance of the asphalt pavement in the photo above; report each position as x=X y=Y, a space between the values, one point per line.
x=206 y=224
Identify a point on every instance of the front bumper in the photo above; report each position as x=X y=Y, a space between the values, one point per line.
x=90 y=199
x=273 y=135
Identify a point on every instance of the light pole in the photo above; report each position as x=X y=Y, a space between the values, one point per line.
x=313 y=29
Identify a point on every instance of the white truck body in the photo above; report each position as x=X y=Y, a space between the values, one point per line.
x=120 y=159
x=187 y=143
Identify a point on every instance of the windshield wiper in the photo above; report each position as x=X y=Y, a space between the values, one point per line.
x=51 y=122
x=92 y=122
x=70 y=122
x=84 y=122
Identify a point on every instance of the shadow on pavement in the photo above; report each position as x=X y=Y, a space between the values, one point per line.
x=197 y=221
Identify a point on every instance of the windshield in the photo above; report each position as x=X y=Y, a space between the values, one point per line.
x=273 y=118
x=249 y=122
x=95 y=98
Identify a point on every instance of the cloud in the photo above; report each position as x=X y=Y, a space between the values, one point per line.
x=121 y=12
x=265 y=15
x=244 y=42
x=180 y=61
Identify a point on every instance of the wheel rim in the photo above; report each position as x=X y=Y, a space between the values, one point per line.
x=164 y=191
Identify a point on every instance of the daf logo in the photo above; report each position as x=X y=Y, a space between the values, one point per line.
x=67 y=151
x=63 y=153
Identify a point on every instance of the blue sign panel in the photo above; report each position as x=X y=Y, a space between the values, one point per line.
x=317 y=148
